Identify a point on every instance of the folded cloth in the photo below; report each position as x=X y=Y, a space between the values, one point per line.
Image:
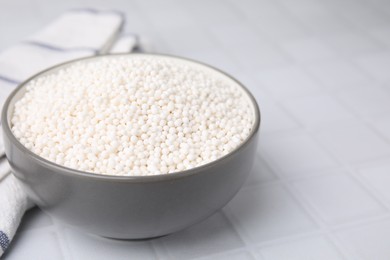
x=75 y=34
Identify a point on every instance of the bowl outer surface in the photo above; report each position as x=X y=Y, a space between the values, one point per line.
x=128 y=208
x=131 y=210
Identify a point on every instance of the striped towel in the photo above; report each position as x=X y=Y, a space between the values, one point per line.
x=75 y=34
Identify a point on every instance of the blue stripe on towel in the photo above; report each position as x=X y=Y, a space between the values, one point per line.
x=4 y=241
x=59 y=49
x=9 y=80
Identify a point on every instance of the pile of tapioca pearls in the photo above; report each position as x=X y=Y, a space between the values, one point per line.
x=132 y=116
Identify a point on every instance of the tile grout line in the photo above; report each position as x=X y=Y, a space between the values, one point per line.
x=323 y=225
x=318 y=221
x=63 y=242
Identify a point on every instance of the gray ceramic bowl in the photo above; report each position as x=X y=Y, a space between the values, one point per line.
x=129 y=207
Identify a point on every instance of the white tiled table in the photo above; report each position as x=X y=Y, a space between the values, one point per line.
x=321 y=73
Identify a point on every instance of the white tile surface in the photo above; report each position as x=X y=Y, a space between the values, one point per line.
x=288 y=82
x=353 y=142
x=337 y=74
x=381 y=34
x=366 y=100
x=235 y=33
x=378 y=177
x=247 y=79
x=352 y=43
x=253 y=56
x=347 y=201
x=318 y=248
x=218 y=58
x=317 y=110
x=227 y=13
x=160 y=17
x=324 y=23
x=304 y=7
x=215 y=235
x=294 y=155
x=376 y=64
x=267 y=213
x=283 y=26
x=6 y=89
x=274 y=118
x=369 y=241
x=383 y=126
x=320 y=72
x=233 y=256
x=180 y=39
x=308 y=49
x=85 y=246
x=260 y=173
x=363 y=16
x=29 y=244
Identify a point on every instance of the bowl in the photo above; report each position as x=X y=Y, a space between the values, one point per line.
x=129 y=207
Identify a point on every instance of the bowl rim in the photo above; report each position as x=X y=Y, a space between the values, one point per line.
x=124 y=178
